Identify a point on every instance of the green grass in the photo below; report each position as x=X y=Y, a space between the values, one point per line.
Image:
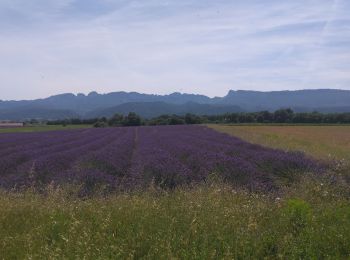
x=41 y=128
x=311 y=220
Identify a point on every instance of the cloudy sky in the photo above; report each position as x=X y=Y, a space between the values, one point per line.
x=154 y=46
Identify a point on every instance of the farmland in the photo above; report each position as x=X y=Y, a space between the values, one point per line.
x=173 y=192
x=324 y=142
x=127 y=158
x=41 y=128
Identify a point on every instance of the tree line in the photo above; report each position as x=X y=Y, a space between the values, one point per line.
x=279 y=116
x=282 y=116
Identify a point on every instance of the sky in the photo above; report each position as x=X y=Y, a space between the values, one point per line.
x=152 y=46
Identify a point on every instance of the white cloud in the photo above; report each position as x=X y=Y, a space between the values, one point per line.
x=164 y=46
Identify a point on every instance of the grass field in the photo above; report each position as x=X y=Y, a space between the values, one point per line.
x=41 y=128
x=324 y=142
x=308 y=220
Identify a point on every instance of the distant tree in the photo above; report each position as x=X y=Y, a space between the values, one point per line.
x=300 y=118
x=161 y=120
x=132 y=119
x=279 y=116
x=176 y=120
x=231 y=118
x=34 y=121
x=76 y=121
x=116 y=120
x=192 y=119
x=259 y=118
x=100 y=124
x=267 y=116
x=245 y=118
x=283 y=115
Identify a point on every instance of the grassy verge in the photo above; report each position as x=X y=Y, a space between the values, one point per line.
x=41 y=128
x=311 y=220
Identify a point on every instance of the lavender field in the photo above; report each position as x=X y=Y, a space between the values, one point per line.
x=136 y=157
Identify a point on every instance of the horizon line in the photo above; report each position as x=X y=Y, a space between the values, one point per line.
x=171 y=93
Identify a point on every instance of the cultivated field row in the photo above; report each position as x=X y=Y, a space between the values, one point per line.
x=128 y=157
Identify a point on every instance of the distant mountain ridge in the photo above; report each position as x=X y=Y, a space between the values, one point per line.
x=85 y=103
x=35 y=112
x=80 y=105
x=301 y=99
x=154 y=109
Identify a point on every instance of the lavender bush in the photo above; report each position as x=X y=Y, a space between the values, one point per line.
x=133 y=157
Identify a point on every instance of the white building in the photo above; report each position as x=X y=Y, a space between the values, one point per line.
x=10 y=124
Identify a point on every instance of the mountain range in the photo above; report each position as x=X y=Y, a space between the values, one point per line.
x=149 y=105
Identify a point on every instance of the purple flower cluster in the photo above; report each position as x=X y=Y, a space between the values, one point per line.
x=132 y=157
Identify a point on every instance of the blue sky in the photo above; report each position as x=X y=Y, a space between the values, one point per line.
x=153 y=46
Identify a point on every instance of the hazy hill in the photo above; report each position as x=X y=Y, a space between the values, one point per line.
x=327 y=100
x=69 y=105
x=35 y=112
x=85 y=103
x=153 y=109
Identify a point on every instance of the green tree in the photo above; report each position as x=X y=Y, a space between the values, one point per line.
x=132 y=119
x=176 y=120
x=284 y=115
x=116 y=120
x=191 y=119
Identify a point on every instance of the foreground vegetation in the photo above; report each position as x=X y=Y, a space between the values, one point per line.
x=311 y=220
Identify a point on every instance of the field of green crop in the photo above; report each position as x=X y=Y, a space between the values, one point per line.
x=309 y=219
x=40 y=128
x=324 y=142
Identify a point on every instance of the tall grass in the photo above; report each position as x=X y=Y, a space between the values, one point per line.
x=310 y=219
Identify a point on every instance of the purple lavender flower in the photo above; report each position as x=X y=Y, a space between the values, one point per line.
x=133 y=157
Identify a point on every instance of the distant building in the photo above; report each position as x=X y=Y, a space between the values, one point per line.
x=10 y=124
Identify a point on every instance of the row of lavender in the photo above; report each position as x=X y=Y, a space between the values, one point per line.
x=134 y=157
